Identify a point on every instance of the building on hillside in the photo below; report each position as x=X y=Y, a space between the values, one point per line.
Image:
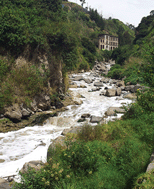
x=108 y=42
x=152 y=13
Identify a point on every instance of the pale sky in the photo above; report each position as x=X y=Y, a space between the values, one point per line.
x=128 y=11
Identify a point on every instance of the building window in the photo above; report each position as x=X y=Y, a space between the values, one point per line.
x=103 y=46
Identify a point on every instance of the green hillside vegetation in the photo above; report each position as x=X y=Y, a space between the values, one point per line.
x=67 y=35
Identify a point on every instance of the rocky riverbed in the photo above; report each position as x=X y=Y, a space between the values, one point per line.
x=91 y=99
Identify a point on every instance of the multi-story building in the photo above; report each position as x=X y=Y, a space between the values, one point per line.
x=108 y=42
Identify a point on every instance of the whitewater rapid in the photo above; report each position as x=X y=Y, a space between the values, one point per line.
x=31 y=143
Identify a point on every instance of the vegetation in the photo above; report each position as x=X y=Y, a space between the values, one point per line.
x=107 y=156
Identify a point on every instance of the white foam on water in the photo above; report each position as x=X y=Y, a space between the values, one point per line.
x=25 y=145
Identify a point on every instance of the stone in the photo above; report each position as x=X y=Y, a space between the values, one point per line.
x=113 y=110
x=120 y=84
x=150 y=166
x=95 y=119
x=13 y=113
x=4 y=184
x=110 y=92
x=73 y=86
x=81 y=120
x=78 y=78
x=129 y=88
x=25 y=113
x=77 y=101
x=85 y=115
x=118 y=91
x=37 y=165
x=130 y=96
x=59 y=141
x=102 y=93
x=98 y=84
x=87 y=80
x=82 y=86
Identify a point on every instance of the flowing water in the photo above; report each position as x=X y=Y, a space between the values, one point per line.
x=31 y=143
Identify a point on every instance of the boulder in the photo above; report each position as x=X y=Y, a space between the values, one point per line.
x=120 y=84
x=118 y=91
x=102 y=93
x=25 y=113
x=95 y=119
x=113 y=110
x=74 y=130
x=133 y=88
x=82 y=86
x=130 y=96
x=78 y=78
x=37 y=165
x=77 y=101
x=85 y=115
x=110 y=92
x=4 y=184
x=73 y=86
x=98 y=84
x=59 y=141
x=13 y=112
x=87 y=80
x=81 y=120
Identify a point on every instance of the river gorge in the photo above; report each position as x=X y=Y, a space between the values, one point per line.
x=31 y=143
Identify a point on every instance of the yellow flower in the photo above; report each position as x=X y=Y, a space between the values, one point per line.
x=43 y=179
x=54 y=166
x=65 y=154
x=68 y=176
x=52 y=175
x=47 y=183
x=90 y=172
x=56 y=178
x=61 y=171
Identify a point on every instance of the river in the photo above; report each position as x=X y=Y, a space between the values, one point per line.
x=31 y=143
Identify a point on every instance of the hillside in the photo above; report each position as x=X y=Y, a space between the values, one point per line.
x=40 y=42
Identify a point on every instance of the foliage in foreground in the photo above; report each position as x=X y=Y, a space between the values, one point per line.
x=107 y=156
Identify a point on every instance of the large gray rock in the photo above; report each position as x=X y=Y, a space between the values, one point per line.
x=13 y=113
x=110 y=92
x=87 y=80
x=151 y=164
x=113 y=110
x=85 y=115
x=95 y=119
x=120 y=84
x=4 y=184
x=130 y=96
x=98 y=84
x=133 y=88
x=37 y=165
x=118 y=91
x=59 y=141
x=74 y=130
x=25 y=113
x=78 y=78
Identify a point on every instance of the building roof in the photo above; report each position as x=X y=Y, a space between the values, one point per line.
x=107 y=34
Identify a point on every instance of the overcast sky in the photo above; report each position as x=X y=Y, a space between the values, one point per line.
x=128 y=11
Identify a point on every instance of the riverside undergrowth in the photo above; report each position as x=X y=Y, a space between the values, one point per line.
x=109 y=156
